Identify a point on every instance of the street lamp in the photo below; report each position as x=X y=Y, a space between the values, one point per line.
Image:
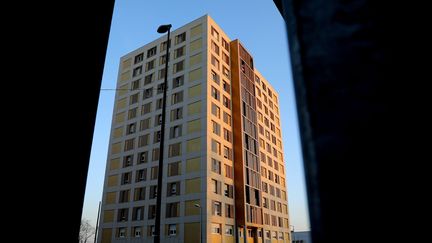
x=199 y=206
x=162 y=29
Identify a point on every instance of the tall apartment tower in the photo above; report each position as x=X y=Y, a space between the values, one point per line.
x=223 y=160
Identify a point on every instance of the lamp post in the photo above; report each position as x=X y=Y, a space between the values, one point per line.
x=199 y=206
x=162 y=29
x=292 y=233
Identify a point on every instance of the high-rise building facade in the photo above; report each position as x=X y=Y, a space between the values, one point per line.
x=223 y=160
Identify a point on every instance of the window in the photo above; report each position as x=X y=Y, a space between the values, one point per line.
x=151 y=52
x=131 y=128
x=150 y=65
x=121 y=233
x=214 y=33
x=173 y=189
x=146 y=108
x=135 y=85
x=151 y=230
x=216 y=186
x=217 y=209
x=174 y=150
x=161 y=73
x=215 y=77
x=226 y=102
x=142 y=157
x=178 y=67
x=159 y=104
x=124 y=196
x=138 y=213
x=176 y=114
x=126 y=178
x=216 y=166
x=127 y=160
x=148 y=93
x=265 y=202
x=215 y=62
x=153 y=192
x=229 y=191
x=139 y=193
x=179 y=52
x=123 y=214
x=215 y=228
x=178 y=81
x=229 y=210
x=215 y=110
x=176 y=131
x=152 y=213
x=148 y=79
x=136 y=231
x=229 y=172
x=216 y=147
x=133 y=99
x=180 y=38
x=229 y=229
x=227 y=153
x=172 y=229
x=172 y=209
x=158 y=119
x=227 y=135
x=162 y=59
x=157 y=137
x=215 y=93
x=225 y=44
x=227 y=118
x=225 y=58
x=174 y=168
x=265 y=187
x=154 y=173
x=139 y=58
x=143 y=140
x=216 y=128
x=215 y=47
x=176 y=97
x=137 y=71
x=164 y=45
x=141 y=175
x=132 y=113
x=226 y=86
x=226 y=72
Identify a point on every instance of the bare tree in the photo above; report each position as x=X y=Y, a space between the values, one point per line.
x=86 y=231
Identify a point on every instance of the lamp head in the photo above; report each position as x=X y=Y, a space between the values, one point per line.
x=164 y=28
x=197 y=205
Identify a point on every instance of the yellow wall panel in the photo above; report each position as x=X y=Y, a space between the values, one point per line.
x=194 y=91
x=108 y=216
x=120 y=117
x=216 y=238
x=228 y=239
x=112 y=180
x=193 y=145
x=191 y=232
x=196 y=45
x=121 y=104
x=190 y=208
x=196 y=30
x=195 y=59
x=126 y=63
x=115 y=149
x=125 y=76
x=106 y=235
x=115 y=164
x=194 y=126
x=194 y=108
x=110 y=197
x=123 y=89
x=118 y=132
x=195 y=74
x=193 y=165
x=193 y=185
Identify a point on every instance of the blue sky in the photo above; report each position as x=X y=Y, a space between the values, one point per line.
x=260 y=28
